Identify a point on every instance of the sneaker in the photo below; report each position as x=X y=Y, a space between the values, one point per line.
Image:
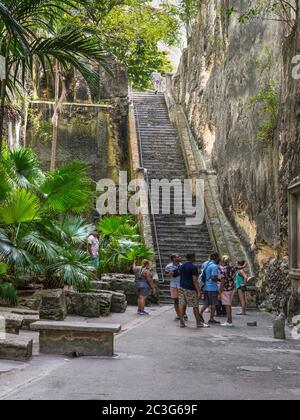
x=227 y=324
x=203 y=326
x=145 y=313
x=177 y=318
x=185 y=318
x=213 y=321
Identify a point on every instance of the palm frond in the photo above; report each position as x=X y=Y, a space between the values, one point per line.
x=22 y=166
x=74 y=229
x=72 y=268
x=20 y=206
x=68 y=188
x=14 y=256
x=39 y=246
x=13 y=27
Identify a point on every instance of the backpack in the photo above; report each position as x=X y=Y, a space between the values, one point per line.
x=140 y=280
x=202 y=277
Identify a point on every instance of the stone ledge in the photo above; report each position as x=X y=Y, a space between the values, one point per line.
x=75 y=326
x=12 y=348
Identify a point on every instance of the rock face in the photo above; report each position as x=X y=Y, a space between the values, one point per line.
x=225 y=66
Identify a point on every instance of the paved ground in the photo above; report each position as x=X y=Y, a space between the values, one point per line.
x=158 y=360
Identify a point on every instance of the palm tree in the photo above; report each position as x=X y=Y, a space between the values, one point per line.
x=22 y=46
x=40 y=233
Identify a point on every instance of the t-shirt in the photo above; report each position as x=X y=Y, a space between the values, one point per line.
x=211 y=269
x=187 y=271
x=170 y=268
x=228 y=271
x=94 y=242
x=142 y=276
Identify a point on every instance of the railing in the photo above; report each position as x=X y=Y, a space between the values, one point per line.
x=141 y=159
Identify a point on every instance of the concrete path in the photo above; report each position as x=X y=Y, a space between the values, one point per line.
x=158 y=360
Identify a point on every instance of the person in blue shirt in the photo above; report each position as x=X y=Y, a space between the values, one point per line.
x=211 y=288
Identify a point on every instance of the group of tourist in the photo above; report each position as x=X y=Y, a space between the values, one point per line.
x=212 y=287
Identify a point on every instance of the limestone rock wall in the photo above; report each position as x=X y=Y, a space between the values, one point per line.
x=225 y=65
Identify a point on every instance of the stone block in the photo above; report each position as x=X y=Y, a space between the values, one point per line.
x=279 y=327
x=53 y=305
x=118 y=303
x=15 y=348
x=13 y=322
x=83 y=339
x=101 y=285
x=90 y=304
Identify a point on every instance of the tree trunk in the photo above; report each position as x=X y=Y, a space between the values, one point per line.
x=2 y=111
x=55 y=118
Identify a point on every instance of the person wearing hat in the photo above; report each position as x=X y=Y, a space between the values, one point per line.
x=172 y=271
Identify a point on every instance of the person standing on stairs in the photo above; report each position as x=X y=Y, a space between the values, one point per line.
x=144 y=283
x=190 y=293
x=172 y=271
x=211 y=288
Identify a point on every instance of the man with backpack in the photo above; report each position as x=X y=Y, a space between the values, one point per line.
x=210 y=278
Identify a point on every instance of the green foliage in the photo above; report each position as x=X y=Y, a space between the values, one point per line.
x=20 y=206
x=264 y=62
x=7 y=290
x=68 y=188
x=268 y=101
x=34 y=237
x=133 y=31
x=120 y=244
x=8 y=293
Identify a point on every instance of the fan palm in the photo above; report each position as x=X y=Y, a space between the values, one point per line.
x=68 y=188
x=72 y=268
x=22 y=167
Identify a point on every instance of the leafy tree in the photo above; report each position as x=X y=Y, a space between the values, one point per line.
x=134 y=31
x=29 y=37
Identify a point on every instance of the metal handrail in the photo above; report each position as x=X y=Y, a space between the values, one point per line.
x=149 y=191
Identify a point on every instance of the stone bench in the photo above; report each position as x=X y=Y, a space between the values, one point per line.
x=76 y=338
x=15 y=348
x=13 y=322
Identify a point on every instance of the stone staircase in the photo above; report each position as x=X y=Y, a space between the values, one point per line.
x=161 y=155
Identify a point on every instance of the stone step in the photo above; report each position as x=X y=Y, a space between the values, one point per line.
x=162 y=156
x=15 y=348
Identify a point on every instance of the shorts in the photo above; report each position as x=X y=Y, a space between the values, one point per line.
x=174 y=292
x=227 y=297
x=211 y=298
x=188 y=298
x=144 y=291
x=95 y=262
x=242 y=288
